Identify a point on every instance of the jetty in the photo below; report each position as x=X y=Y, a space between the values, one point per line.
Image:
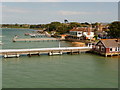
x=39 y=51
x=36 y=39
x=45 y=33
x=35 y=35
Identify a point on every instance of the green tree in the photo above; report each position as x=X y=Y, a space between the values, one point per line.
x=32 y=26
x=65 y=21
x=114 y=29
x=53 y=26
x=74 y=24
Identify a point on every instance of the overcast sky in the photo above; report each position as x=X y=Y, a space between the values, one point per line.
x=46 y=12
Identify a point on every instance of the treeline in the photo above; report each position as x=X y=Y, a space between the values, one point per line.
x=59 y=27
x=15 y=25
x=113 y=29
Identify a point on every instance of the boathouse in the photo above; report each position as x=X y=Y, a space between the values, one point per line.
x=107 y=47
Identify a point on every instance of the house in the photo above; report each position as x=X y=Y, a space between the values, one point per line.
x=77 y=31
x=82 y=33
x=107 y=47
x=88 y=34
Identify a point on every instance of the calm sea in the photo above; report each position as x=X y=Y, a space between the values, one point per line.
x=66 y=71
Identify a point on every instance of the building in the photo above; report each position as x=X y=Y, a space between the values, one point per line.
x=88 y=34
x=77 y=32
x=82 y=33
x=62 y=37
x=107 y=47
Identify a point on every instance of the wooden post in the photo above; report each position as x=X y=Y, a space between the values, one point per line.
x=105 y=55
x=71 y=52
x=78 y=51
x=29 y=54
x=5 y=56
x=38 y=53
x=111 y=55
x=17 y=55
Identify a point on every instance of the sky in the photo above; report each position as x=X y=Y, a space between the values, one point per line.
x=60 y=0
x=46 y=12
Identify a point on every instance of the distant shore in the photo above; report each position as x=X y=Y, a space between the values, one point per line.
x=21 y=28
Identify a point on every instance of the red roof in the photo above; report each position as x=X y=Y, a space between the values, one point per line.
x=110 y=42
x=79 y=29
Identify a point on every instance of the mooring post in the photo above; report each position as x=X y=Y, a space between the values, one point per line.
x=29 y=54
x=71 y=52
x=38 y=53
x=105 y=55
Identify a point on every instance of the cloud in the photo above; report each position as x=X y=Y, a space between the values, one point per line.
x=81 y=13
x=71 y=13
x=14 y=10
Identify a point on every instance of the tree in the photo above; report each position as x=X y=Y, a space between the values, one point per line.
x=66 y=21
x=74 y=24
x=53 y=26
x=114 y=29
x=32 y=26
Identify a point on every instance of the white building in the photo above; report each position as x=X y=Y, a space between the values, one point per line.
x=88 y=36
x=82 y=32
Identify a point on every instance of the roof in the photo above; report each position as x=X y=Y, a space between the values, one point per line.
x=63 y=35
x=110 y=42
x=79 y=29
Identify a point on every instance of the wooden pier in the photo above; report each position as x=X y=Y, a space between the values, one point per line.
x=36 y=39
x=50 y=51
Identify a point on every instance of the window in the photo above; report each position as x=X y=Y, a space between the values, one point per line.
x=116 y=49
x=75 y=33
x=110 y=49
x=102 y=48
x=97 y=47
x=79 y=33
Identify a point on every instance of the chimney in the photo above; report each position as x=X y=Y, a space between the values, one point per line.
x=89 y=29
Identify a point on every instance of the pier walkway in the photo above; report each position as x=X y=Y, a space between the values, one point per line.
x=39 y=51
x=36 y=39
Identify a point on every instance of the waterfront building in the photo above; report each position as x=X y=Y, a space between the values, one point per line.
x=88 y=34
x=77 y=32
x=107 y=47
x=81 y=33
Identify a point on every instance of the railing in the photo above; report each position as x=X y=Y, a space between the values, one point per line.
x=43 y=49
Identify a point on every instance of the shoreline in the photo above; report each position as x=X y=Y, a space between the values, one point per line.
x=21 y=28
